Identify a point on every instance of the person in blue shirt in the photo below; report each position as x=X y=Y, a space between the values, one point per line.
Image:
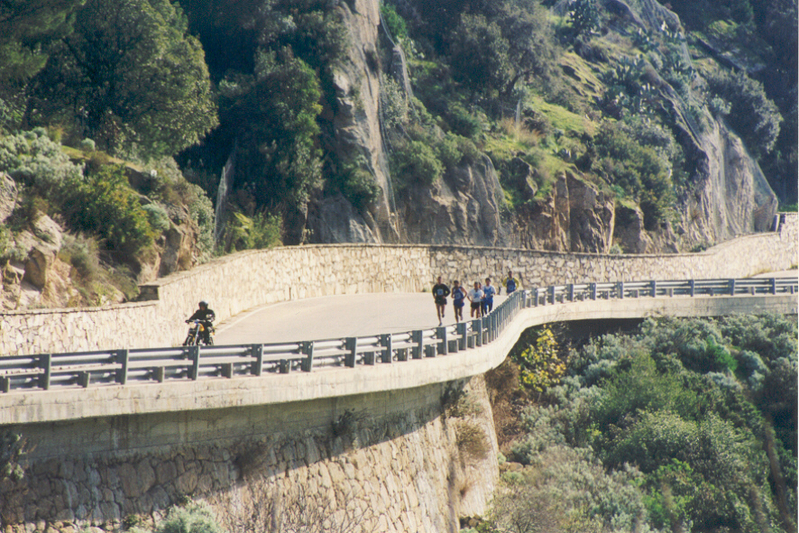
x=458 y=296
x=510 y=283
x=488 y=297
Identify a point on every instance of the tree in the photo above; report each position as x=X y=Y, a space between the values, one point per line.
x=130 y=77
x=480 y=54
x=27 y=30
x=273 y=114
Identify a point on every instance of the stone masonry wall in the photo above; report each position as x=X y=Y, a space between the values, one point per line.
x=249 y=279
x=400 y=461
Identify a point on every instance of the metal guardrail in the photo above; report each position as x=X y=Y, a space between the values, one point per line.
x=190 y=363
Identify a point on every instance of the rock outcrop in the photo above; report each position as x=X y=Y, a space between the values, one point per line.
x=574 y=217
x=461 y=208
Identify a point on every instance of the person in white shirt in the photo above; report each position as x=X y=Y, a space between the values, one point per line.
x=476 y=297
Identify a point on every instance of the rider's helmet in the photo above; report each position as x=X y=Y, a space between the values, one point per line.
x=203 y=303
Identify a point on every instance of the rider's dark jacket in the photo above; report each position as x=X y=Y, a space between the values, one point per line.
x=206 y=315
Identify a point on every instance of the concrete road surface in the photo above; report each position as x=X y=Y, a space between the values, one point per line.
x=333 y=317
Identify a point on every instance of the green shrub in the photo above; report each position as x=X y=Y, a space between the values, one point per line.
x=357 y=184
x=257 y=232
x=32 y=159
x=415 y=163
x=103 y=203
x=751 y=113
x=202 y=212
x=462 y=122
x=396 y=24
x=194 y=518
x=81 y=253
x=157 y=216
x=88 y=145
x=638 y=170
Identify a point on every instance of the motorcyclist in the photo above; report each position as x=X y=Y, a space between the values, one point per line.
x=206 y=317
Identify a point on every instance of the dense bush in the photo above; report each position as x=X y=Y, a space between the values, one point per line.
x=663 y=429
x=103 y=203
x=193 y=518
x=415 y=163
x=636 y=170
x=751 y=113
x=262 y=230
x=32 y=159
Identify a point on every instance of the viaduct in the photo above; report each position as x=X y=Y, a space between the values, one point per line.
x=375 y=447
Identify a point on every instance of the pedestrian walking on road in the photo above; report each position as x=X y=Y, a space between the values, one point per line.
x=488 y=297
x=476 y=297
x=510 y=283
x=458 y=295
x=440 y=293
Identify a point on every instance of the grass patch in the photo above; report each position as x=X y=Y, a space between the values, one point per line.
x=563 y=119
x=580 y=76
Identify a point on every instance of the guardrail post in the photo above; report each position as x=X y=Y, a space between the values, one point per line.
x=45 y=363
x=693 y=287
x=194 y=356
x=534 y=293
x=257 y=352
x=732 y=287
x=592 y=287
x=5 y=384
x=552 y=294
x=417 y=337
x=350 y=344
x=653 y=286
x=461 y=328
x=285 y=366
x=84 y=378
x=307 y=349
x=122 y=358
x=441 y=335
x=773 y=285
x=621 y=290
x=477 y=331
x=388 y=353
x=571 y=291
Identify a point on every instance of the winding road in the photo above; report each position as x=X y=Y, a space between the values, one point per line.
x=346 y=316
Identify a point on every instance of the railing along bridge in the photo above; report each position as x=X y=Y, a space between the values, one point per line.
x=52 y=371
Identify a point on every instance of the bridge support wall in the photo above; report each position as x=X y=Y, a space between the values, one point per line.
x=387 y=461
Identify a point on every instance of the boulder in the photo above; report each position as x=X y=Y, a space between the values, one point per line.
x=42 y=247
x=629 y=232
x=591 y=217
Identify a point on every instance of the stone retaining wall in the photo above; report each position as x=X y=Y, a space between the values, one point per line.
x=249 y=279
x=400 y=461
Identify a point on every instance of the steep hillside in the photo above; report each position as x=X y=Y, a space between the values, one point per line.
x=576 y=139
x=583 y=125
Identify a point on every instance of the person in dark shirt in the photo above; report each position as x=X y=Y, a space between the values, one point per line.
x=206 y=317
x=440 y=293
x=458 y=296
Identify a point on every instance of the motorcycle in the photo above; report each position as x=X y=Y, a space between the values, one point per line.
x=195 y=335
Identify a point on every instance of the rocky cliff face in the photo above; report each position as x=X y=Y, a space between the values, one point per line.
x=728 y=195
